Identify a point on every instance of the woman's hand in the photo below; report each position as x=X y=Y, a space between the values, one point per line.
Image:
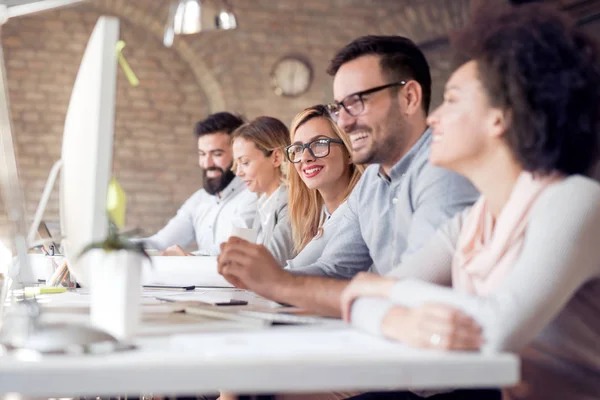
x=437 y=326
x=175 y=250
x=364 y=284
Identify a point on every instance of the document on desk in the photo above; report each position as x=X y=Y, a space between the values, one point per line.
x=197 y=270
x=285 y=343
x=202 y=296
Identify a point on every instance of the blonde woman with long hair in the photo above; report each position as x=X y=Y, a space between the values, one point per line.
x=259 y=161
x=321 y=176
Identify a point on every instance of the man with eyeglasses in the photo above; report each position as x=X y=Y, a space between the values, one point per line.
x=383 y=88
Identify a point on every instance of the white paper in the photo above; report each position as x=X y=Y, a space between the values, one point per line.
x=200 y=271
x=202 y=296
x=211 y=296
x=248 y=234
x=166 y=293
x=284 y=343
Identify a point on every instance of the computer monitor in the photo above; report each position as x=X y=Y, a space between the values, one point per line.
x=87 y=148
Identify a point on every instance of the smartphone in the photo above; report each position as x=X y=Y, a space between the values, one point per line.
x=169 y=287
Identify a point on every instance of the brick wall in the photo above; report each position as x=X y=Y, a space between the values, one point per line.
x=155 y=155
x=242 y=60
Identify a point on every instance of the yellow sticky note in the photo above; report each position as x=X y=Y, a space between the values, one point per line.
x=133 y=80
x=35 y=290
x=116 y=203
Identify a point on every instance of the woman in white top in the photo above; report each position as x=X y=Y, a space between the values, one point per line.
x=520 y=270
x=258 y=153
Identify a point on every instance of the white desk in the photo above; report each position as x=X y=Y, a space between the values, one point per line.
x=285 y=359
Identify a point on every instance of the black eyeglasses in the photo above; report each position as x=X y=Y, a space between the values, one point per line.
x=354 y=103
x=318 y=148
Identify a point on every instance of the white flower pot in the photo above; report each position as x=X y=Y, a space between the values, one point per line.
x=115 y=281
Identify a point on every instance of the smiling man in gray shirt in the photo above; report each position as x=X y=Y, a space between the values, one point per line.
x=383 y=89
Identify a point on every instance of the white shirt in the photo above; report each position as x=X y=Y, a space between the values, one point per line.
x=325 y=215
x=208 y=219
x=273 y=225
x=267 y=205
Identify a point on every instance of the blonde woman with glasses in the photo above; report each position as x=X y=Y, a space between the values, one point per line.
x=321 y=176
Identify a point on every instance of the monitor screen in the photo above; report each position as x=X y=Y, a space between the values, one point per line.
x=87 y=148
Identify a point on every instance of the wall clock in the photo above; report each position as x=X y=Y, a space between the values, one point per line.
x=291 y=76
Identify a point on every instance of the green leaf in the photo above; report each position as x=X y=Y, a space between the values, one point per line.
x=115 y=242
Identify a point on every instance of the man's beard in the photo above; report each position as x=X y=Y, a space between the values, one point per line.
x=216 y=185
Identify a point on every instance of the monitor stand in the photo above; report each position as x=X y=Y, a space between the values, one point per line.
x=23 y=330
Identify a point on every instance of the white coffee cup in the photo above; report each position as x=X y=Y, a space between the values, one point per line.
x=247 y=234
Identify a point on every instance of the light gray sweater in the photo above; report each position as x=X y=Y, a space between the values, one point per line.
x=548 y=307
x=313 y=250
x=273 y=225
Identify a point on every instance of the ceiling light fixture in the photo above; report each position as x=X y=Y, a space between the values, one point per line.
x=187 y=17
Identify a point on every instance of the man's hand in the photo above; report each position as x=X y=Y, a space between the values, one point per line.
x=175 y=250
x=364 y=284
x=250 y=266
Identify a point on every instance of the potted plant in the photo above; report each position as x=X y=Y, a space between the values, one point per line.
x=115 y=282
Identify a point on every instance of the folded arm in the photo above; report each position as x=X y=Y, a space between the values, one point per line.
x=561 y=253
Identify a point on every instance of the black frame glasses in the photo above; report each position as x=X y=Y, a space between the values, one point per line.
x=307 y=146
x=354 y=103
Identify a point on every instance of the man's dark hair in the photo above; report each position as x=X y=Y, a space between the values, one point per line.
x=218 y=122
x=545 y=72
x=400 y=59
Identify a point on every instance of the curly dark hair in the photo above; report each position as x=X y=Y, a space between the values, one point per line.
x=544 y=71
x=400 y=59
x=218 y=122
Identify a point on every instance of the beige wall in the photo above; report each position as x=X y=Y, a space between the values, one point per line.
x=155 y=155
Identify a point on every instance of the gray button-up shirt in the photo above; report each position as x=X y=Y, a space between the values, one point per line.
x=390 y=217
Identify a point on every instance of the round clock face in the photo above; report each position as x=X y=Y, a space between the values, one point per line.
x=291 y=77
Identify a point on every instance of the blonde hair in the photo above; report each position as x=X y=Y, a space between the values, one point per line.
x=268 y=134
x=305 y=205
